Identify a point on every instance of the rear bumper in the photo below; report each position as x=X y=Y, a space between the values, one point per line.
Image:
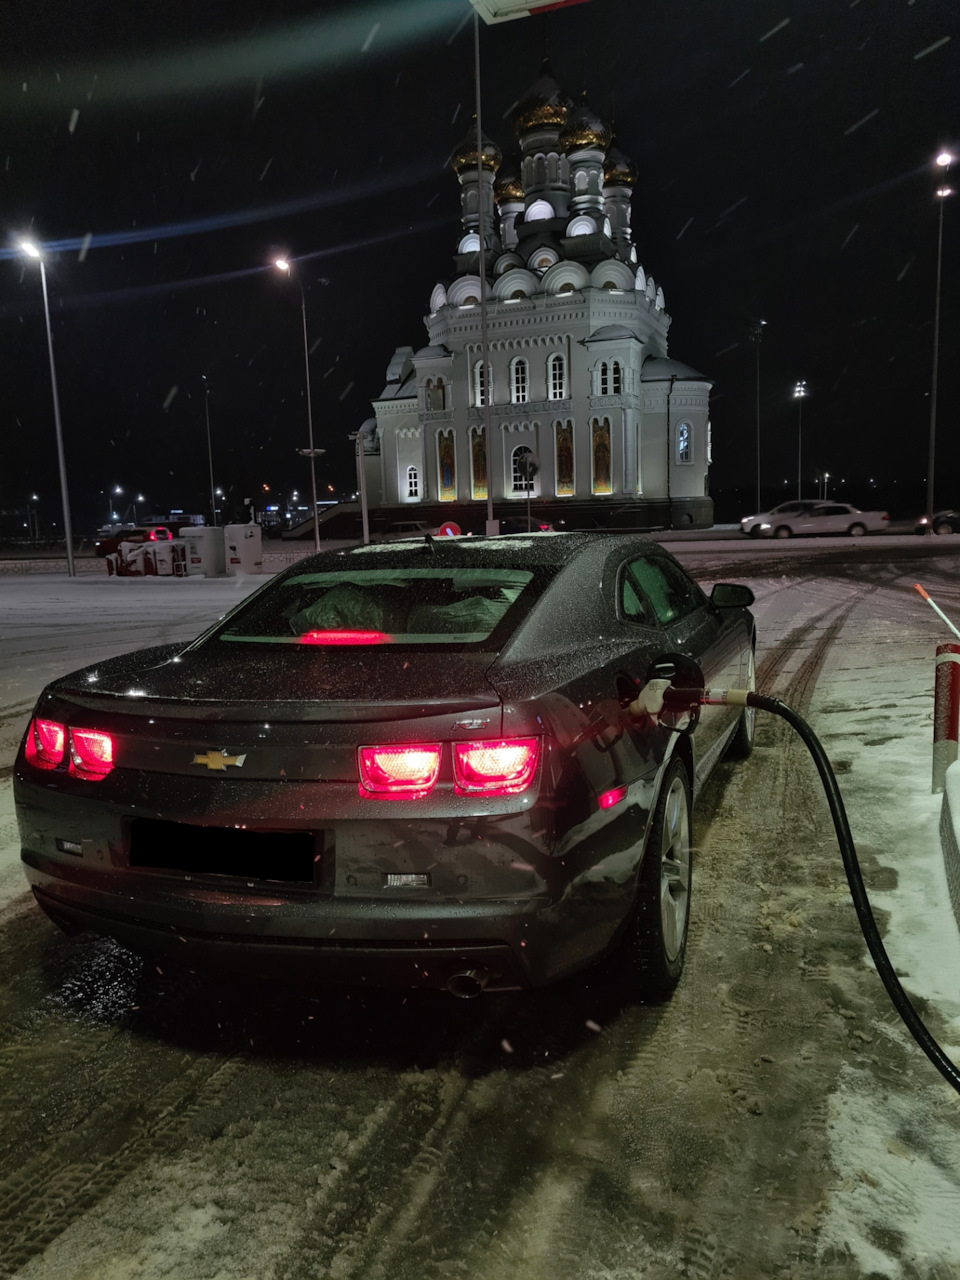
x=491 y=965
x=500 y=901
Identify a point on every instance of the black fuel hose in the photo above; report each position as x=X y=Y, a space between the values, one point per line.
x=687 y=698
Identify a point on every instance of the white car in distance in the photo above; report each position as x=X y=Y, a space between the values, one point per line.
x=761 y=525
x=825 y=518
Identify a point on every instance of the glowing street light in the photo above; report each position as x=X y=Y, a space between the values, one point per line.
x=284 y=265
x=32 y=251
x=799 y=391
x=944 y=160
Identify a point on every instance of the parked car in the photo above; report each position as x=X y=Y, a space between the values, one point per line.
x=827 y=518
x=400 y=764
x=943 y=522
x=110 y=543
x=760 y=525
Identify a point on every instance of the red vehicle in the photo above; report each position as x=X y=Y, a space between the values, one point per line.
x=110 y=543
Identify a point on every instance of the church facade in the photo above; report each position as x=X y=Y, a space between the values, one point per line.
x=591 y=423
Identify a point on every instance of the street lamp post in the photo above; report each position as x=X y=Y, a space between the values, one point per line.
x=206 y=410
x=944 y=160
x=756 y=334
x=113 y=516
x=362 y=486
x=283 y=264
x=31 y=250
x=799 y=391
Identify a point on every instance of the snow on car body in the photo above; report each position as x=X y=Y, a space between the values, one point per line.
x=409 y=764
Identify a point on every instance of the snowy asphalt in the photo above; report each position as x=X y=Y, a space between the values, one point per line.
x=856 y=1158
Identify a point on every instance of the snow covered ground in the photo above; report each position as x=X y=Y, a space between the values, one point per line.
x=893 y=1155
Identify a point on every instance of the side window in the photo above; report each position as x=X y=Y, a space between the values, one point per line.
x=632 y=607
x=671 y=593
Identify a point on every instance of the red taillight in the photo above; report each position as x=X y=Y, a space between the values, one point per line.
x=345 y=637
x=399 y=770
x=91 y=752
x=495 y=768
x=46 y=742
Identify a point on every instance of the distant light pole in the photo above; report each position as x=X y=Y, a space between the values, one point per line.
x=283 y=264
x=31 y=250
x=138 y=498
x=799 y=391
x=206 y=410
x=756 y=334
x=111 y=514
x=362 y=486
x=944 y=160
x=33 y=518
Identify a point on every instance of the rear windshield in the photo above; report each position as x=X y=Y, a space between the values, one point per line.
x=385 y=606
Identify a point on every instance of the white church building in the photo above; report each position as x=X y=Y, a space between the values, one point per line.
x=577 y=373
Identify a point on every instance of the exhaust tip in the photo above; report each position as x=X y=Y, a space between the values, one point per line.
x=468 y=983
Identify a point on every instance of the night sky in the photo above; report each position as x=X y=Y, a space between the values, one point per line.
x=164 y=152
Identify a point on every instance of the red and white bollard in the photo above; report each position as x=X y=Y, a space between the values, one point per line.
x=946 y=712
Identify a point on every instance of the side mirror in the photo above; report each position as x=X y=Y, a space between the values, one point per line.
x=731 y=595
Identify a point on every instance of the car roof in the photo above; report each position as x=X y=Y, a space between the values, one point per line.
x=549 y=550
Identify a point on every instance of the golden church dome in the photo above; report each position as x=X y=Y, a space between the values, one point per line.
x=464 y=154
x=618 y=171
x=584 y=128
x=507 y=188
x=545 y=106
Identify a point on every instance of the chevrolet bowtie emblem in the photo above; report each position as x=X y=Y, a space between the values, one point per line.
x=219 y=760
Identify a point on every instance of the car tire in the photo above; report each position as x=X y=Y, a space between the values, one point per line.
x=783 y=531
x=857 y=530
x=741 y=744
x=656 y=940
x=942 y=528
x=756 y=531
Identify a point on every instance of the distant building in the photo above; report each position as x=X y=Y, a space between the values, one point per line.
x=578 y=374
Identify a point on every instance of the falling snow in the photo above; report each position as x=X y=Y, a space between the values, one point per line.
x=684 y=227
x=171 y=394
x=370 y=38
x=735 y=205
x=850 y=234
x=773 y=30
x=740 y=77
x=84 y=246
x=74 y=117
x=854 y=127
x=937 y=44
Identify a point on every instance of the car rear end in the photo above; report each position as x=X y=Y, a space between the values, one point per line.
x=372 y=811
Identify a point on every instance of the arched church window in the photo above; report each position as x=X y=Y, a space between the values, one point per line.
x=563 y=452
x=616 y=378
x=557 y=377
x=521 y=482
x=447 y=466
x=538 y=210
x=600 y=441
x=481 y=388
x=436 y=394
x=603 y=379
x=478 y=463
x=519 y=381
x=684 y=442
x=413 y=482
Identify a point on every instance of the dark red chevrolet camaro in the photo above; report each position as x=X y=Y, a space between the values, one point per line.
x=409 y=764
